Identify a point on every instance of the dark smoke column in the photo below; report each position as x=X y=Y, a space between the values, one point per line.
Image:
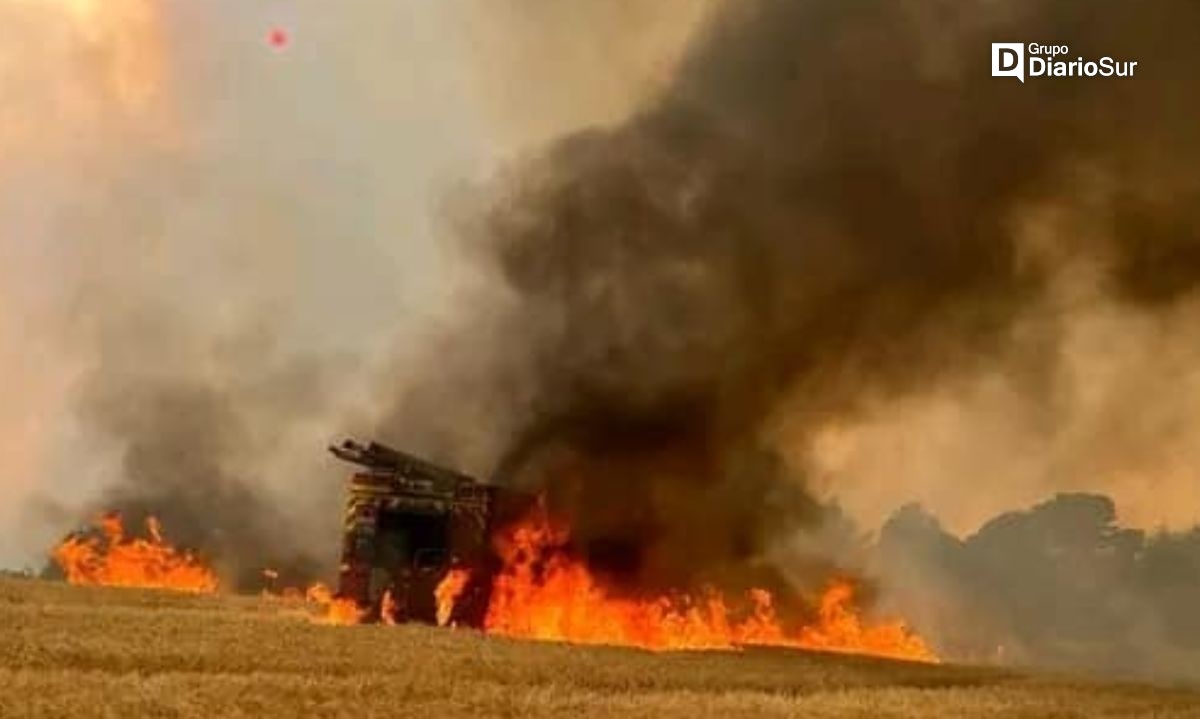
x=822 y=210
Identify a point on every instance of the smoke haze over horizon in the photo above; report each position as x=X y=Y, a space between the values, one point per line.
x=210 y=243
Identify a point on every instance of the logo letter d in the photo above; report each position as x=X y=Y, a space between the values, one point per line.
x=1008 y=60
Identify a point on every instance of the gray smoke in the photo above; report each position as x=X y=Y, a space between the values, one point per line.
x=208 y=244
x=1060 y=585
x=192 y=441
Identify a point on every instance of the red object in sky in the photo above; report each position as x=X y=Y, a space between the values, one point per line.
x=278 y=38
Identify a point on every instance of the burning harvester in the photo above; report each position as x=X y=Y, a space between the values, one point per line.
x=408 y=524
x=425 y=543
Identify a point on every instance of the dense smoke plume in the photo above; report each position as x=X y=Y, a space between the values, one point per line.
x=829 y=208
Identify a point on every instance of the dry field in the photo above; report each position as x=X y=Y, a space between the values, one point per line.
x=67 y=651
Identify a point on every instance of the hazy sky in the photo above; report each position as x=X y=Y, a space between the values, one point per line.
x=167 y=151
x=162 y=153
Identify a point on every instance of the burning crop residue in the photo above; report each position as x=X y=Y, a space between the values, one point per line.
x=541 y=592
x=448 y=591
x=333 y=609
x=840 y=627
x=321 y=604
x=108 y=557
x=105 y=555
x=544 y=593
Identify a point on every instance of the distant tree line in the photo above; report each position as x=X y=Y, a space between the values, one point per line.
x=1061 y=584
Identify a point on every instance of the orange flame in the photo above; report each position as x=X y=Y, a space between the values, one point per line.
x=334 y=610
x=447 y=593
x=387 y=608
x=117 y=561
x=840 y=628
x=545 y=594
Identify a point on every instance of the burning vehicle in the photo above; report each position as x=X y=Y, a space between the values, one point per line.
x=410 y=525
x=425 y=543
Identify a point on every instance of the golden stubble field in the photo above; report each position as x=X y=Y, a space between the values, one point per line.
x=84 y=652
